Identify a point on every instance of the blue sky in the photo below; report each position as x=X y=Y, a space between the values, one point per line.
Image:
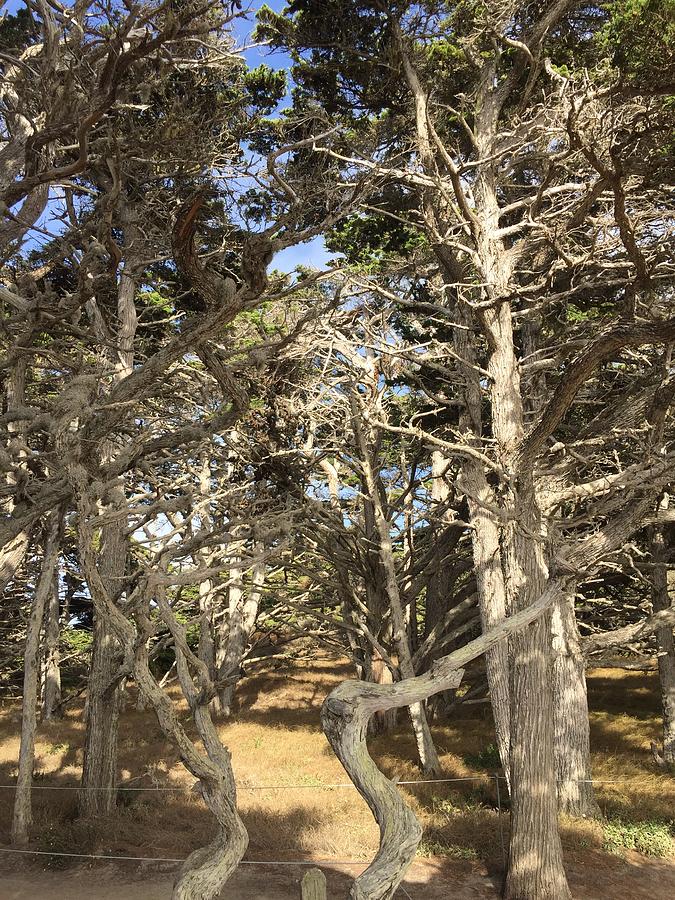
x=314 y=252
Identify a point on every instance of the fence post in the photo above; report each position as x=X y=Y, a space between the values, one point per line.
x=314 y=885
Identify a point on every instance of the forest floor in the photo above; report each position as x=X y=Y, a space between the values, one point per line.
x=295 y=811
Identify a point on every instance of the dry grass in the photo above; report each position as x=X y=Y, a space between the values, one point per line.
x=277 y=743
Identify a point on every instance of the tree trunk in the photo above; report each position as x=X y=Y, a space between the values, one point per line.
x=662 y=584
x=22 y=799
x=11 y=557
x=243 y=613
x=535 y=853
x=207 y=644
x=493 y=606
x=104 y=696
x=13 y=552
x=570 y=707
x=536 y=869
x=99 y=767
x=431 y=764
x=51 y=673
x=344 y=717
x=384 y=720
x=485 y=538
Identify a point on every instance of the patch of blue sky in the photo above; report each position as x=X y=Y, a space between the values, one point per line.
x=243 y=34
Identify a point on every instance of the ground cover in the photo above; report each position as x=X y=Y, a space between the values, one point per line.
x=296 y=808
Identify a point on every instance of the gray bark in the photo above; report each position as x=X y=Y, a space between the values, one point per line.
x=572 y=735
x=344 y=717
x=99 y=766
x=51 y=670
x=345 y=714
x=22 y=816
x=244 y=606
x=206 y=870
x=663 y=583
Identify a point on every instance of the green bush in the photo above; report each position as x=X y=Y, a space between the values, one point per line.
x=648 y=838
x=487 y=758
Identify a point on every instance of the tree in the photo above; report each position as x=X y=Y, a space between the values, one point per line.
x=484 y=116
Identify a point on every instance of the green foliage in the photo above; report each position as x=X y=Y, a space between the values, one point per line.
x=369 y=241
x=486 y=758
x=157 y=301
x=640 y=37
x=265 y=87
x=648 y=838
x=76 y=640
x=16 y=30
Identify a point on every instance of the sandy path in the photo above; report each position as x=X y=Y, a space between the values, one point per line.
x=630 y=879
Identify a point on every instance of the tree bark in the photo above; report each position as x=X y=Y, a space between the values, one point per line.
x=244 y=606
x=662 y=585
x=99 y=766
x=51 y=672
x=536 y=869
x=571 y=726
x=485 y=539
x=22 y=817
x=431 y=764
x=206 y=870
x=344 y=717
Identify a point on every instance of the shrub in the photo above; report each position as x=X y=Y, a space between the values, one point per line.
x=648 y=838
x=487 y=758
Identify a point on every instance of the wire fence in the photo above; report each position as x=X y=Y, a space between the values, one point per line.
x=487 y=777
x=267 y=787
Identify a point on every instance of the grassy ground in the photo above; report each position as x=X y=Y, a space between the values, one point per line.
x=286 y=770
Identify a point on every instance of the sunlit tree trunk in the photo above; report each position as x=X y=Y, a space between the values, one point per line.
x=572 y=734
x=243 y=613
x=31 y=683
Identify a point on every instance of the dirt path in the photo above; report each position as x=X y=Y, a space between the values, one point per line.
x=630 y=879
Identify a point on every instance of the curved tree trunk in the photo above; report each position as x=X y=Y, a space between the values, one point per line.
x=344 y=717
x=31 y=682
x=206 y=870
x=345 y=714
x=570 y=707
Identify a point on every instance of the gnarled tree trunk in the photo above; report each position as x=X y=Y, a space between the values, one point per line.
x=344 y=717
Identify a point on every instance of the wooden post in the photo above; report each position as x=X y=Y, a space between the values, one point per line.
x=314 y=885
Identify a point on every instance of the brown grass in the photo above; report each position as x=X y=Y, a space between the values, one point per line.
x=284 y=768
